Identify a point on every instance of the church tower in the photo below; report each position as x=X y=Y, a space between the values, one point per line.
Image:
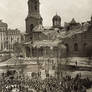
x=34 y=18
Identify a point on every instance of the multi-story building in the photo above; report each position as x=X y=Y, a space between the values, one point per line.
x=3 y=30
x=8 y=37
x=13 y=36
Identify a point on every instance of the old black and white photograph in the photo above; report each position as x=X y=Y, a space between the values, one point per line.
x=45 y=45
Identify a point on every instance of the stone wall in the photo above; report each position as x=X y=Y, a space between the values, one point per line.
x=78 y=44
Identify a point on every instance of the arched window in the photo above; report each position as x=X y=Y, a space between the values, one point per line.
x=67 y=47
x=75 y=47
x=31 y=27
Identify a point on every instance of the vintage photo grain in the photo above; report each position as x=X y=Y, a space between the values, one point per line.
x=45 y=45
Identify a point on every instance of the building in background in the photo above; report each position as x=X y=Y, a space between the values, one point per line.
x=3 y=36
x=13 y=36
x=8 y=37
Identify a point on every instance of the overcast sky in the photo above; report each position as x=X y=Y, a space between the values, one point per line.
x=14 y=12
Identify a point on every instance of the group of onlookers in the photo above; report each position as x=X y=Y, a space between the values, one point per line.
x=11 y=80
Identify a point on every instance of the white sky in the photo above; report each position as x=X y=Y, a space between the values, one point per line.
x=14 y=12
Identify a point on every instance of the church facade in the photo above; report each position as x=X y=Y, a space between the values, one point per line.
x=71 y=40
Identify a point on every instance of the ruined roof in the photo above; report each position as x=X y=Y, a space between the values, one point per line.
x=38 y=28
x=79 y=30
x=60 y=34
x=46 y=43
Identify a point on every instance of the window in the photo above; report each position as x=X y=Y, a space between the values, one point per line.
x=27 y=52
x=31 y=27
x=35 y=5
x=75 y=47
x=67 y=47
x=1 y=46
x=11 y=39
x=41 y=51
x=17 y=39
x=33 y=52
x=68 y=28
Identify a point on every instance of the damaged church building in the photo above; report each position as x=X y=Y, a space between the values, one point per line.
x=71 y=40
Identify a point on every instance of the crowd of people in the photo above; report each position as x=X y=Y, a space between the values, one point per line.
x=76 y=84
x=67 y=84
x=11 y=80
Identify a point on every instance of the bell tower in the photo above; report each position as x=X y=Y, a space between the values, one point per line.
x=34 y=18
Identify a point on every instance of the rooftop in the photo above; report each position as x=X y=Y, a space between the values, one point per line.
x=2 y=24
